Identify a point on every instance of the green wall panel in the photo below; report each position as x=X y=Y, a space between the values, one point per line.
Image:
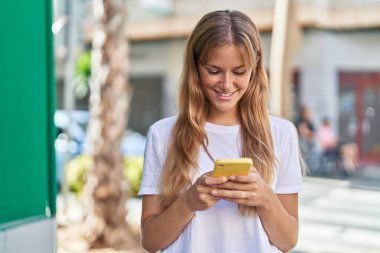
x=26 y=109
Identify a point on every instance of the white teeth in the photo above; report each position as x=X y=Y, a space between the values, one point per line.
x=224 y=94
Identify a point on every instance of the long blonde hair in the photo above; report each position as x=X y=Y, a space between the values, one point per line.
x=216 y=29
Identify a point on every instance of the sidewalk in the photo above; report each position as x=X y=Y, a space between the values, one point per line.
x=339 y=216
x=367 y=178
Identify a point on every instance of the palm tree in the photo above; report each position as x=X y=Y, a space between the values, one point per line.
x=105 y=223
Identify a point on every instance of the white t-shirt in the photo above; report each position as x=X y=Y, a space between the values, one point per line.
x=222 y=229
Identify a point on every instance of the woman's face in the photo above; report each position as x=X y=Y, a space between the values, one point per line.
x=224 y=79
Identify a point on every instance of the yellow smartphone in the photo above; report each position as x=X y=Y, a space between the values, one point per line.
x=233 y=166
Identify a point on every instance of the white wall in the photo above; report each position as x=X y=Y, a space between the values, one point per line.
x=36 y=237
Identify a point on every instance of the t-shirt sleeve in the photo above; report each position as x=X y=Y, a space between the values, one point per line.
x=153 y=165
x=289 y=172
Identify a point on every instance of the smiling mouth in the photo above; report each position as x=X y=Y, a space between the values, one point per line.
x=225 y=94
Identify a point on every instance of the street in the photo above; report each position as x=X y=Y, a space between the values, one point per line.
x=338 y=216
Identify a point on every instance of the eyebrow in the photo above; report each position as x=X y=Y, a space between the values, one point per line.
x=214 y=66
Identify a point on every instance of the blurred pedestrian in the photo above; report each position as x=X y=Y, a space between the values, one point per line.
x=305 y=125
x=306 y=132
x=223 y=113
x=327 y=138
x=330 y=160
x=350 y=157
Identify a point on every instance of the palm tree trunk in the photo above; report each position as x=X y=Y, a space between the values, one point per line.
x=105 y=224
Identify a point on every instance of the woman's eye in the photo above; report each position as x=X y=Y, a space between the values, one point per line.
x=239 y=72
x=213 y=72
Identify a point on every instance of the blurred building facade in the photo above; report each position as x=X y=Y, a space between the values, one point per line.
x=336 y=69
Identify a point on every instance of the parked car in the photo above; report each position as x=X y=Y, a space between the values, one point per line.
x=71 y=133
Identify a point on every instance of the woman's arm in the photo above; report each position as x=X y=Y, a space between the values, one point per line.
x=280 y=220
x=160 y=227
x=278 y=213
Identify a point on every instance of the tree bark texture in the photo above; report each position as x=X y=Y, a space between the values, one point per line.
x=105 y=224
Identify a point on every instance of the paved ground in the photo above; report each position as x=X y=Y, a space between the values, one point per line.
x=340 y=216
x=336 y=216
x=69 y=237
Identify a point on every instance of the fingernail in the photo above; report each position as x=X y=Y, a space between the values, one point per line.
x=232 y=177
x=214 y=192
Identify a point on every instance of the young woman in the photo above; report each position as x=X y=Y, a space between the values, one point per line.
x=223 y=113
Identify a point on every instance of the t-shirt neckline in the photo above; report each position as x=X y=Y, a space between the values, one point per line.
x=221 y=128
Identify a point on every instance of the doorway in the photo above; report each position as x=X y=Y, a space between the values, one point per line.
x=146 y=105
x=359 y=112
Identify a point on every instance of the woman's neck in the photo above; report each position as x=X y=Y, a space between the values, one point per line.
x=224 y=119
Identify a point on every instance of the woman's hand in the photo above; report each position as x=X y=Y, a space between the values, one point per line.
x=198 y=197
x=250 y=190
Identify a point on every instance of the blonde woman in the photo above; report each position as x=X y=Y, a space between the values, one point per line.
x=223 y=113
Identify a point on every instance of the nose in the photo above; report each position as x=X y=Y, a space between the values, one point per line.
x=226 y=82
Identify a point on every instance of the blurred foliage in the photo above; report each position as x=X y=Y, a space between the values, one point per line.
x=75 y=172
x=76 y=169
x=82 y=74
x=83 y=65
x=133 y=167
